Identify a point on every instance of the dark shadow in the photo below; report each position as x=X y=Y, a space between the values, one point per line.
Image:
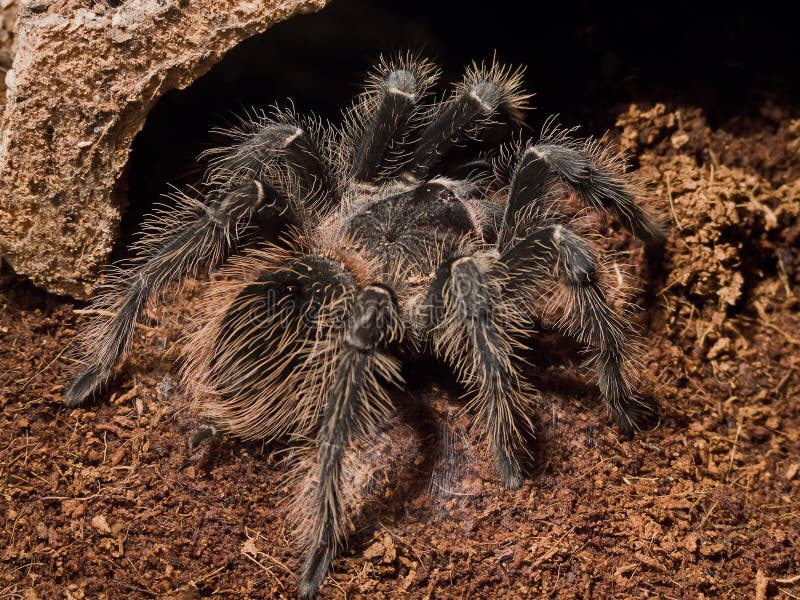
x=20 y=294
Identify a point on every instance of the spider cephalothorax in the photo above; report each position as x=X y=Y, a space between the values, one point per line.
x=357 y=244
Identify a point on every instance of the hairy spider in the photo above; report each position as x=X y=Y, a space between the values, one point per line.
x=360 y=245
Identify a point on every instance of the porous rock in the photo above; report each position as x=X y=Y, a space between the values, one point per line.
x=83 y=79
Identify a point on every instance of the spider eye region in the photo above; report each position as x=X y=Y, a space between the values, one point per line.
x=436 y=205
x=441 y=193
x=419 y=213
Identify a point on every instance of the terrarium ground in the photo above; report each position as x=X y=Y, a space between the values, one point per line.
x=106 y=501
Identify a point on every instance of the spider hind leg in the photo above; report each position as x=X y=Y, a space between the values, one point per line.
x=586 y=315
x=470 y=331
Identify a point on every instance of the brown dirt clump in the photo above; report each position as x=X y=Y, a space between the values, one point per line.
x=106 y=501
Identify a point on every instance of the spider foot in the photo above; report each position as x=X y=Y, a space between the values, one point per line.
x=633 y=417
x=315 y=568
x=510 y=475
x=85 y=385
x=204 y=432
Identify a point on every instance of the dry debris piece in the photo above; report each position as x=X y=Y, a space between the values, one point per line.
x=106 y=501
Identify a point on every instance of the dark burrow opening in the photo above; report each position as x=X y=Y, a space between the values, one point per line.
x=586 y=62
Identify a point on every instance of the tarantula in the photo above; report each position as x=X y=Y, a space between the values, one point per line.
x=357 y=246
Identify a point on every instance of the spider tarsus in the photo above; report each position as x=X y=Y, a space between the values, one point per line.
x=204 y=432
x=626 y=407
x=314 y=570
x=633 y=418
x=510 y=473
x=512 y=482
x=626 y=427
x=86 y=384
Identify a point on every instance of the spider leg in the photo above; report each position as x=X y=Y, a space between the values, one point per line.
x=468 y=331
x=469 y=110
x=264 y=360
x=183 y=240
x=355 y=400
x=277 y=361
x=384 y=114
x=586 y=315
x=262 y=144
x=588 y=170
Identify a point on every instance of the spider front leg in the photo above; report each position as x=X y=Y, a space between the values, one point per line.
x=384 y=115
x=470 y=331
x=266 y=146
x=180 y=242
x=585 y=314
x=587 y=169
x=355 y=400
x=468 y=112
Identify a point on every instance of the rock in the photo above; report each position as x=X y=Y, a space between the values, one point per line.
x=80 y=87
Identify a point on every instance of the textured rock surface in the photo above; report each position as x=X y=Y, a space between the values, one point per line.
x=80 y=87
